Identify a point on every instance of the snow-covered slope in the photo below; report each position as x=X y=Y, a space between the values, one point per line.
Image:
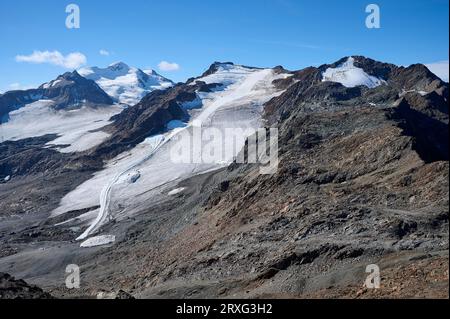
x=235 y=103
x=350 y=76
x=127 y=85
x=77 y=129
x=71 y=107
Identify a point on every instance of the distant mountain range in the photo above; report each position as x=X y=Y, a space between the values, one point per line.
x=127 y=85
x=117 y=83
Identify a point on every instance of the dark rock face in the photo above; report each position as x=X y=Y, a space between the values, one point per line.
x=33 y=178
x=375 y=68
x=123 y=295
x=28 y=156
x=14 y=100
x=69 y=90
x=428 y=123
x=10 y=288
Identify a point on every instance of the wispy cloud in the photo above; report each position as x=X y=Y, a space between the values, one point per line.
x=104 y=52
x=71 y=61
x=168 y=66
x=440 y=69
x=18 y=86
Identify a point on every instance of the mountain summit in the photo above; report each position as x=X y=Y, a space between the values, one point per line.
x=125 y=84
x=69 y=90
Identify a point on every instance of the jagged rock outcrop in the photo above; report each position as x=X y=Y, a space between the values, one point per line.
x=11 y=288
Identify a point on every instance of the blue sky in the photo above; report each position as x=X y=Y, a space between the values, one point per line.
x=195 y=33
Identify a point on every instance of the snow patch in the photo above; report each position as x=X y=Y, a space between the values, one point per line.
x=79 y=140
x=56 y=82
x=51 y=84
x=404 y=92
x=176 y=191
x=350 y=76
x=98 y=241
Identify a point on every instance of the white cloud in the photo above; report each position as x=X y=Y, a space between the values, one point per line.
x=167 y=66
x=18 y=86
x=14 y=86
x=104 y=52
x=71 y=61
x=440 y=69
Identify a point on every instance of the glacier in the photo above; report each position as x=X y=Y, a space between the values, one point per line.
x=236 y=103
x=76 y=130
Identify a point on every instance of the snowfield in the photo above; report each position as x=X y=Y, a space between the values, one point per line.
x=350 y=76
x=98 y=241
x=236 y=104
x=78 y=130
x=51 y=84
x=176 y=191
x=126 y=84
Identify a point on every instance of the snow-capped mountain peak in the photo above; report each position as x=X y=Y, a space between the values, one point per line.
x=127 y=85
x=119 y=66
x=350 y=76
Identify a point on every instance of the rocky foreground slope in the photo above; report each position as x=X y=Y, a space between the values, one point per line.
x=10 y=288
x=362 y=179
